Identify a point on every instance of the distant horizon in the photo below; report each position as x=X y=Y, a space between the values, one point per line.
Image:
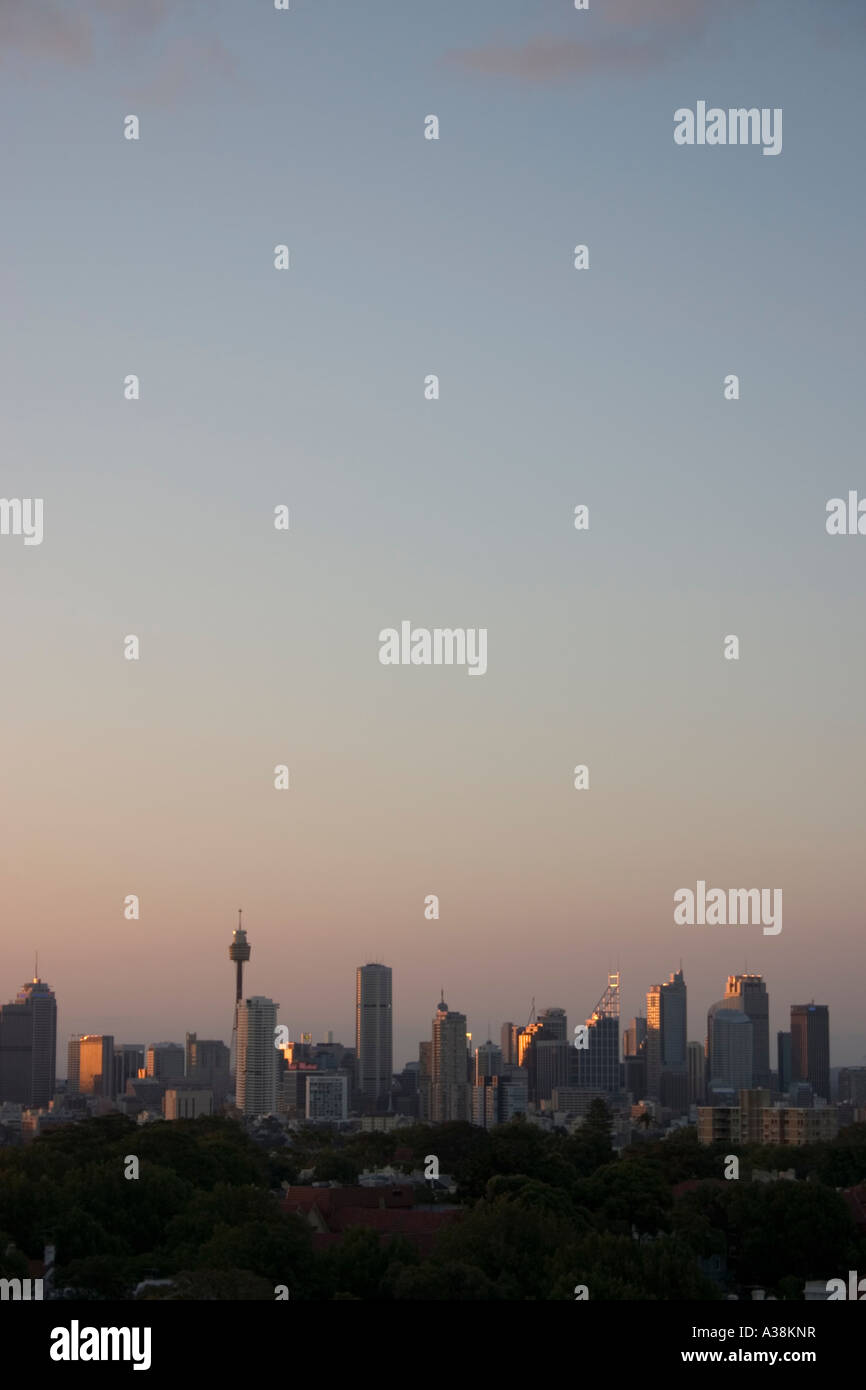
x=624 y=1022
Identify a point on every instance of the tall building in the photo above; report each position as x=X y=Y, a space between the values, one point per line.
x=508 y=1043
x=166 y=1061
x=239 y=952
x=555 y=1024
x=666 y=1036
x=548 y=1064
x=256 y=1089
x=449 y=1089
x=730 y=1048
x=783 y=1049
x=488 y=1061
x=425 y=1081
x=596 y=1067
x=749 y=993
x=374 y=1034
x=207 y=1061
x=634 y=1038
x=696 y=1068
x=810 y=1046
x=128 y=1062
x=91 y=1064
x=326 y=1097
x=28 y=1045
x=852 y=1086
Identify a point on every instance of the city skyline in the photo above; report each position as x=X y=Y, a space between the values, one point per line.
x=700 y=1035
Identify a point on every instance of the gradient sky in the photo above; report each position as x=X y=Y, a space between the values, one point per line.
x=557 y=387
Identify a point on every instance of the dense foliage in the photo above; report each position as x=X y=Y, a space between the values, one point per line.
x=543 y=1214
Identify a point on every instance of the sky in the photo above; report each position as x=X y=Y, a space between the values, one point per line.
x=558 y=387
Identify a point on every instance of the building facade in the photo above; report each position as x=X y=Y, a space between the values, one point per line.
x=256 y=1087
x=374 y=1034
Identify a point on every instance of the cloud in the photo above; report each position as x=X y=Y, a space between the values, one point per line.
x=39 y=31
x=628 y=36
x=44 y=31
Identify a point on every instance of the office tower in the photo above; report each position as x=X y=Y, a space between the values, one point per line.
x=730 y=1048
x=28 y=1045
x=373 y=1035
x=508 y=1043
x=256 y=1089
x=187 y=1102
x=555 y=1024
x=634 y=1079
x=239 y=951
x=326 y=1097
x=634 y=1038
x=696 y=1070
x=852 y=1086
x=166 y=1061
x=488 y=1061
x=513 y=1095
x=449 y=1090
x=666 y=1033
x=810 y=1046
x=496 y=1098
x=549 y=1063
x=91 y=1064
x=425 y=1081
x=208 y=1062
x=783 y=1046
x=749 y=993
x=128 y=1062
x=485 y=1101
x=596 y=1067
x=523 y=1041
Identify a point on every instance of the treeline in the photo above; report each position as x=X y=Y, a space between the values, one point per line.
x=543 y=1214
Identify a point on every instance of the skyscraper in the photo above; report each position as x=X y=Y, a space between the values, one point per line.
x=810 y=1046
x=207 y=1061
x=697 y=1069
x=555 y=1024
x=596 y=1067
x=634 y=1038
x=730 y=1048
x=91 y=1064
x=783 y=1052
x=374 y=1034
x=488 y=1061
x=256 y=1092
x=128 y=1061
x=449 y=1089
x=239 y=951
x=166 y=1061
x=666 y=1033
x=508 y=1042
x=28 y=1045
x=749 y=993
